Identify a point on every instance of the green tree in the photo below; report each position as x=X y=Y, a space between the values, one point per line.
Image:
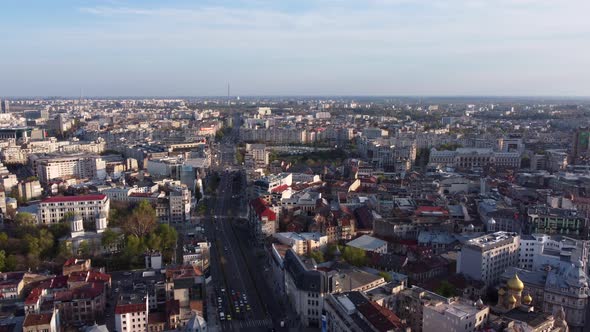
x=240 y=157
x=168 y=236
x=25 y=218
x=109 y=238
x=84 y=249
x=59 y=230
x=142 y=220
x=3 y=240
x=201 y=209
x=2 y=261
x=386 y=276
x=11 y=263
x=64 y=251
x=46 y=242
x=446 y=289
x=354 y=256
x=133 y=246
x=317 y=256
x=219 y=135
x=153 y=242
x=449 y=146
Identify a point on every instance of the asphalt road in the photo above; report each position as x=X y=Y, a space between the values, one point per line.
x=230 y=274
x=235 y=268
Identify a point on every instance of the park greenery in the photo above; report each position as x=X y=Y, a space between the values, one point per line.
x=315 y=158
x=449 y=146
x=25 y=245
x=351 y=255
x=317 y=255
x=141 y=233
x=446 y=289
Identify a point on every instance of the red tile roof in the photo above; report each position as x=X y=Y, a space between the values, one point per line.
x=156 y=318
x=89 y=276
x=37 y=319
x=61 y=199
x=127 y=308
x=34 y=296
x=58 y=282
x=261 y=209
x=280 y=188
x=381 y=318
x=172 y=307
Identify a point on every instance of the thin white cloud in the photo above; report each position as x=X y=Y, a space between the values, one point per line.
x=385 y=44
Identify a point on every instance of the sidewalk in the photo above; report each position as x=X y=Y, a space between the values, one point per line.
x=213 y=323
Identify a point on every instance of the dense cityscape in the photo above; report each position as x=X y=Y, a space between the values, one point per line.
x=294 y=214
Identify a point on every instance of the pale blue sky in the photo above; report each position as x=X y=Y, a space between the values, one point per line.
x=302 y=47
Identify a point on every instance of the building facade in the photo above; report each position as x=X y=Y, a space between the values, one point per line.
x=90 y=207
x=131 y=313
x=485 y=258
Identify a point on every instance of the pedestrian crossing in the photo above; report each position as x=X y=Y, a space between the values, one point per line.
x=251 y=323
x=267 y=322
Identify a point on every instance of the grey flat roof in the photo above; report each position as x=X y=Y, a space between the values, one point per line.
x=366 y=242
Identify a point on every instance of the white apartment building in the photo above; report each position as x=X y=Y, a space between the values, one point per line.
x=89 y=207
x=131 y=313
x=80 y=166
x=454 y=316
x=486 y=257
x=537 y=251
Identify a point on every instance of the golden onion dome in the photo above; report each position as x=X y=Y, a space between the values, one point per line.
x=528 y=299
x=512 y=299
x=501 y=291
x=514 y=283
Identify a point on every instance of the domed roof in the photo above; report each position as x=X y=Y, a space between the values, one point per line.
x=528 y=299
x=492 y=221
x=511 y=299
x=514 y=283
x=501 y=291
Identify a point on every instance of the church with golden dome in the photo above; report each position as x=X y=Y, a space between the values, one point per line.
x=515 y=311
x=511 y=297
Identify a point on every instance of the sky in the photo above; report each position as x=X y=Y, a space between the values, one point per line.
x=299 y=47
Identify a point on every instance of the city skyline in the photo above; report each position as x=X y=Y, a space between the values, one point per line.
x=311 y=48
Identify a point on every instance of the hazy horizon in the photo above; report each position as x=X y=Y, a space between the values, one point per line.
x=381 y=48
